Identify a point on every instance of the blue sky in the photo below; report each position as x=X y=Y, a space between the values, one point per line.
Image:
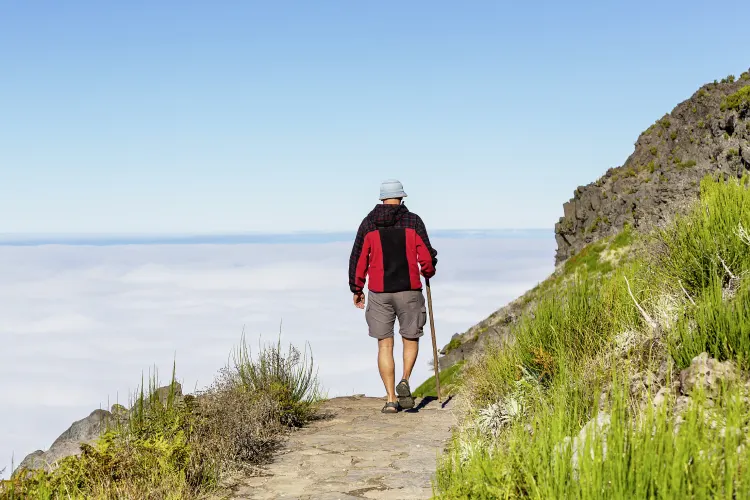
x=212 y=117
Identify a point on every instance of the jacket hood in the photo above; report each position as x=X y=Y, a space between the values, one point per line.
x=387 y=215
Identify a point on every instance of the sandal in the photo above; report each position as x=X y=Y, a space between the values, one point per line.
x=390 y=408
x=405 y=399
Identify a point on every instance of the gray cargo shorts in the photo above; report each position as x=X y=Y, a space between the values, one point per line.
x=383 y=309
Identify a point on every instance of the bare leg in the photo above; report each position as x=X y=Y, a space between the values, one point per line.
x=411 y=349
x=387 y=367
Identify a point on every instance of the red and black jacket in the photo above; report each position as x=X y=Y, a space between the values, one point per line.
x=391 y=247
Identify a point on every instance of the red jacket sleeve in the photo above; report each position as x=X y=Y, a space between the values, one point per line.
x=359 y=260
x=426 y=255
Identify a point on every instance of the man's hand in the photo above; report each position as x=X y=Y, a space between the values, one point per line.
x=359 y=300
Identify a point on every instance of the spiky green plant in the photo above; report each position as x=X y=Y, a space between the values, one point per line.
x=288 y=376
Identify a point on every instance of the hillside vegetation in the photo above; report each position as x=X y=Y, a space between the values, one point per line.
x=495 y=330
x=173 y=447
x=628 y=377
x=707 y=134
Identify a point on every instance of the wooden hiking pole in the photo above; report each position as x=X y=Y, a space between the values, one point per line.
x=434 y=342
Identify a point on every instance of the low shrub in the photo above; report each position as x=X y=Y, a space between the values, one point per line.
x=289 y=378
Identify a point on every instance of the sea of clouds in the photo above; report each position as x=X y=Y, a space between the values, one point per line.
x=80 y=324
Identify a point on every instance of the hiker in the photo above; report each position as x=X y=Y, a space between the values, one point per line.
x=390 y=249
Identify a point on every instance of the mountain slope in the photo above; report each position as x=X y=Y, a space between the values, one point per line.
x=628 y=376
x=707 y=133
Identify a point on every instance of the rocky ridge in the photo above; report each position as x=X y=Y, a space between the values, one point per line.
x=709 y=133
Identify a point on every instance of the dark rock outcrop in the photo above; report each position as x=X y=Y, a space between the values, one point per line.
x=706 y=134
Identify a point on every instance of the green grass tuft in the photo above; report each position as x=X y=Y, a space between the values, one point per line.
x=738 y=101
x=589 y=259
x=450 y=379
x=455 y=343
x=289 y=377
x=623 y=239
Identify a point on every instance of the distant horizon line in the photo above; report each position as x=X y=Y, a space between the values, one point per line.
x=258 y=237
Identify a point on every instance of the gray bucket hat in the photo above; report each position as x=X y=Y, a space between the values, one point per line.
x=391 y=189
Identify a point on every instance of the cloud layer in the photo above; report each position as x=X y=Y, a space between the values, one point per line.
x=80 y=324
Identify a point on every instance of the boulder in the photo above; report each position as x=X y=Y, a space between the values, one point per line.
x=661 y=396
x=708 y=374
x=87 y=430
x=595 y=427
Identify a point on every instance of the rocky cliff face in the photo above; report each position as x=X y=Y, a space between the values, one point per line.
x=709 y=133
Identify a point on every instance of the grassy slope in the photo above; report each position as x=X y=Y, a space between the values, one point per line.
x=449 y=383
x=598 y=258
x=579 y=354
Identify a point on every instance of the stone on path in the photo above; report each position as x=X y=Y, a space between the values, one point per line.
x=358 y=453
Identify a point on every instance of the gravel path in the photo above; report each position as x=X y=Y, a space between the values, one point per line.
x=359 y=453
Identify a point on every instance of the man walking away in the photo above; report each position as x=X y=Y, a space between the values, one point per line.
x=391 y=248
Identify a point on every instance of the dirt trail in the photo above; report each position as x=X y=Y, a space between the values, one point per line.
x=359 y=453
